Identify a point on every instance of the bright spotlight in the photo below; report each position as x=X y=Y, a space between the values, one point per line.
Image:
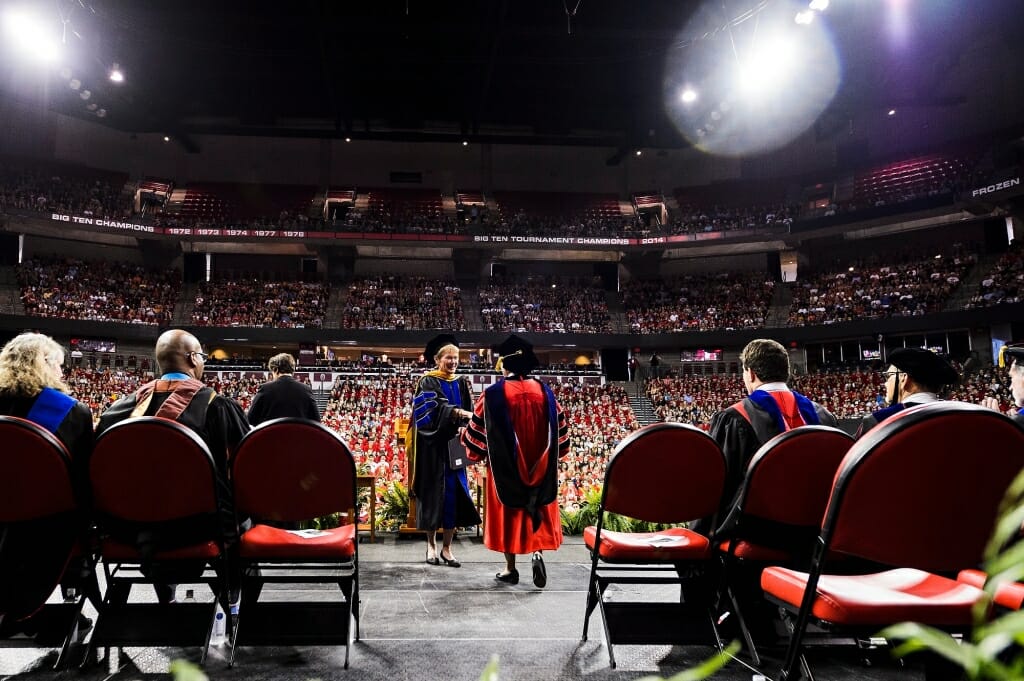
x=465 y=143
x=689 y=96
x=116 y=74
x=819 y=5
x=639 y=152
x=805 y=17
x=892 y=112
x=29 y=35
x=166 y=138
x=767 y=67
x=761 y=86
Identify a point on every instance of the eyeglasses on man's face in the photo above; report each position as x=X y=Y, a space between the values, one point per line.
x=886 y=375
x=202 y=355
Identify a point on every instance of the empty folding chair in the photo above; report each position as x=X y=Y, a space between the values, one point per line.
x=285 y=471
x=159 y=508
x=920 y=493
x=41 y=529
x=664 y=473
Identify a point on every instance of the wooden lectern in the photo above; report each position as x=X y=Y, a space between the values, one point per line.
x=402 y=435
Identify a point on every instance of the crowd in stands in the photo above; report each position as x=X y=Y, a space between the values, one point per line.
x=697 y=302
x=398 y=302
x=98 y=388
x=692 y=219
x=916 y=286
x=98 y=291
x=1004 y=284
x=56 y=191
x=598 y=418
x=255 y=303
x=544 y=305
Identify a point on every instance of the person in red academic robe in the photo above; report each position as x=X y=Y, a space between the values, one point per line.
x=519 y=428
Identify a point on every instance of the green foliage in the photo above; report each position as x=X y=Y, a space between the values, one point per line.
x=394 y=507
x=574 y=522
x=183 y=670
x=994 y=650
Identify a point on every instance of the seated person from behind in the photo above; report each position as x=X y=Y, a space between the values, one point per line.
x=283 y=395
x=180 y=395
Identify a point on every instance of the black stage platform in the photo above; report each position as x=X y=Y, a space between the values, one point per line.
x=436 y=622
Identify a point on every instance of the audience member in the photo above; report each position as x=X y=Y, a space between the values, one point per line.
x=283 y=396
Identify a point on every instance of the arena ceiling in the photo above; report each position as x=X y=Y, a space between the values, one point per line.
x=559 y=71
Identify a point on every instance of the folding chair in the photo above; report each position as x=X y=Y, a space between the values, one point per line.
x=920 y=493
x=663 y=473
x=41 y=527
x=1008 y=596
x=779 y=508
x=159 y=510
x=289 y=470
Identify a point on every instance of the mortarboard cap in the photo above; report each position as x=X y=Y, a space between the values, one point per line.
x=436 y=343
x=924 y=366
x=516 y=355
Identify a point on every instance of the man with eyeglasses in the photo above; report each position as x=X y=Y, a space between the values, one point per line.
x=915 y=376
x=1012 y=356
x=180 y=395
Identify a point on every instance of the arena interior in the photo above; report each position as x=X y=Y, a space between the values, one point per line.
x=638 y=189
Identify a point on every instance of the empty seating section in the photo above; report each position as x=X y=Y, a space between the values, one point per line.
x=402 y=303
x=544 y=305
x=1003 y=284
x=246 y=204
x=920 y=285
x=698 y=302
x=253 y=303
x=911 y=178
x=98 y=291
x=473 y=197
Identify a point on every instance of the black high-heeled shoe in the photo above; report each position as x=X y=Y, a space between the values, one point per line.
x=450 y=562
x=432 y=561
x=508 y=577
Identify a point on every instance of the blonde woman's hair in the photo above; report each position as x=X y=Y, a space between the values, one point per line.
x=23 y=369
x=445 y=348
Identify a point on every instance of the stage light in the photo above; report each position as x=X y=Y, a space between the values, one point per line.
x=85 y=94
x=116 y=74
x=29 y=35
x=689 y=96
x=769 y=65
x=639 y=152
x=762 y=83
x=91 y=106
x=465 y=143
x=348 y=139
x=166 y=138
x=819 y=5
x=102 y=113
x=892 y=112
x=75 y=84
x=805 y=17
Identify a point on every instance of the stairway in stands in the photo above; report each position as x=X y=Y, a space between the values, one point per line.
x=971 y=283
x=471 y=307
x=616 y=312
x=182 y=315
x=335 y=302
x=778 y=311
x=642 y=407
x=322 y=398
x=10 y=292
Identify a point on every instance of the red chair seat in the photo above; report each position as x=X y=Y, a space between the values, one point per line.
x=1009 y=596
x=878 y=599
x=746 y=550
x=116 y=551
x=672 y=545
x=265 y=542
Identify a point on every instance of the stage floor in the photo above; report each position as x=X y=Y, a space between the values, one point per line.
x=421 y=621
